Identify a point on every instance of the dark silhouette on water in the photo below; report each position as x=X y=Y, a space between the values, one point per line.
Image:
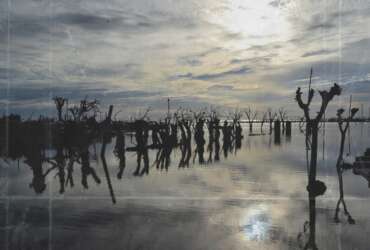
x=87 y=170
x=217 y=139
x=314 y=187
x=362 y=166
x=59 y=104
x=251 y=116
x=312 y=124
x=277 y=132
x=120 y=153
x=343 y=124
x=199 y=136
x=185 y=141
x=213 y=124
x=309 y=227
x=141 y=136
x=271 y=117
x=106 y=138
x=282 y=117
x=227 y=138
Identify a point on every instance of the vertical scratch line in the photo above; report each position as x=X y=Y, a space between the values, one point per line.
x=7 y=226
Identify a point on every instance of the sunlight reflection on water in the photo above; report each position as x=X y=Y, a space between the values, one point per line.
x=256 y=223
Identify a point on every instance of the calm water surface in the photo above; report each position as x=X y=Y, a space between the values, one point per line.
x=255 y=198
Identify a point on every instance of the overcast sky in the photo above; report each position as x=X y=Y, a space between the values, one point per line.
x=227 y=53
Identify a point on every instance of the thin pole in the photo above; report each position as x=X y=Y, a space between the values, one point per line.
x=323 y=137
x=168 y=107
x=309 y=85
x=349 y=127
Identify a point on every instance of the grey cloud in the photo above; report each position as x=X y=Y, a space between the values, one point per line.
x=358 y=51
x=320 y=25
x=221 y=87
x=232 y=36
x=318 y=52
x=128 y=70
x=195 y=59
x=278 y=3
x=17 y=74
x=186 y=75
x=190 y=61
x=72 y=91
x=89 y=21
x=9 y=73
x=237 y=61
x=265 y=97
x=209 y=51
x=212 y=76
x=358 y=87
x=28 y=25
x=256 y=60
x=329 y=71
x=327 y=21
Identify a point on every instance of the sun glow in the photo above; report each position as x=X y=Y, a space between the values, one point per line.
x=253 y=20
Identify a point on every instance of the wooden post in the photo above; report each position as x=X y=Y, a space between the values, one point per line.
x=168 y=108
x=288 y=125
x=106 y=127
x=110 y=113
x=277 y=132
x=349 y=128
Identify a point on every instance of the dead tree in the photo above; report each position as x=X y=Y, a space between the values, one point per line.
x=271 y=117
x=263 y=120
x=343 y=124
x=59 y=103
x=251 y=116
x=199 y=118
x=283 y=116
x=314 y=187
x=313 y=123
x=79 y=112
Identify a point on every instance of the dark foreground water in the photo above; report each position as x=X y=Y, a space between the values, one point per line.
x=255 y=198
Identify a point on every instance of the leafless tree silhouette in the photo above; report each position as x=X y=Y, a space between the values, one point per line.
x=251 y=116
x=271 y=117
x=283 y=115
x=314 y=187
x=343 y=124
x=80 y=111
x=59 y=103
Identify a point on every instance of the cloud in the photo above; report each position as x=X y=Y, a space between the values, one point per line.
x=221 y=87
x=9 y=73
x=255 y=59
x=73 y=91
x=325 y=72
x=315 y=25
x=213 y=76
x=190 y=61
x=318 y=52
x=27 y=27
x=128 y=71
x=358 y=87
x=278 y=3
x=89 y=21
x=357 y=51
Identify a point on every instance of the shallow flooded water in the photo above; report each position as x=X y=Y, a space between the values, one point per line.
x=251 y=198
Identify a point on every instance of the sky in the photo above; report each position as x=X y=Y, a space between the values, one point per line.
x=225 y=54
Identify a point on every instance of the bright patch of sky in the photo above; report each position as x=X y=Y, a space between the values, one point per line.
x=135 y=54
